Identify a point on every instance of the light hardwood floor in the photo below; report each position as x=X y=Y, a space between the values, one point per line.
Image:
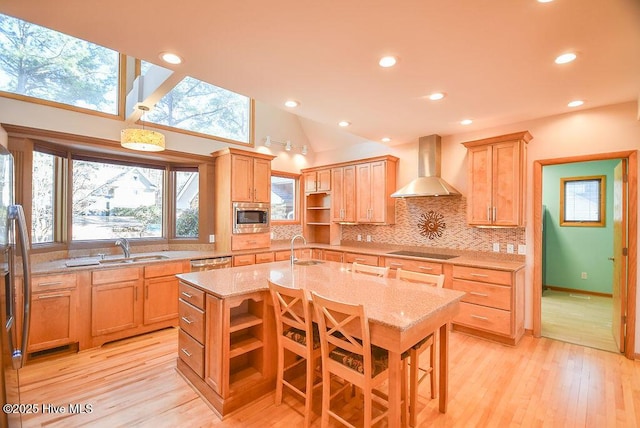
x=541 y=382
x=578 y=318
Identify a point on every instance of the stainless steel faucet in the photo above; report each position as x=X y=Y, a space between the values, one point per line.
x=293 y=257
x=124 y=244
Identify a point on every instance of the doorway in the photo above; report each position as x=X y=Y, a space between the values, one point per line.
x=624 y=310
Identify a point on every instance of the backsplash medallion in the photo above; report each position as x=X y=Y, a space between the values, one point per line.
x=431 y=225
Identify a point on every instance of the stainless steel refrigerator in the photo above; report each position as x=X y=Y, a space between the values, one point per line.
x=14 y=311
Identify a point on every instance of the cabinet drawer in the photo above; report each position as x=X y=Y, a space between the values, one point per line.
x=282 y=255
x=413 y=265
x=192 y=320
x=192 y=295
x=333 y=256
x=191 y=352
x=496 y=296
x=244 y=260
x=109 y=276
x=484 y=275
x=264 y=258
x=482 y=317
x=250 y=241
x=365 y=259
x=163 y=269
x=53 y=282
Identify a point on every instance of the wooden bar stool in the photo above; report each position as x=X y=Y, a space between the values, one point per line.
x=347 y=353
x=296 y=333
x=380 y=271
x=416 y=373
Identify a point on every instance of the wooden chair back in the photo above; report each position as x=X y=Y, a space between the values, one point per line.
x=292 y=309
x=422 y=278
x=380 y=271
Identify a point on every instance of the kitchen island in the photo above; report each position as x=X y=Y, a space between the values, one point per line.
x=227 y=339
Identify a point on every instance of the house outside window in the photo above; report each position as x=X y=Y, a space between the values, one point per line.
x=284 y=197
x=187 y=203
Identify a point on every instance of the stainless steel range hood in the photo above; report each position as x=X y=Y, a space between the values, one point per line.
x=428 y=182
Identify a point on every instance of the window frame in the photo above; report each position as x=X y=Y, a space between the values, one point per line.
x=298 y=200
x=574 y=222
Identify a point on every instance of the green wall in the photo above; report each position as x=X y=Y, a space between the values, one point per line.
x=569 y=251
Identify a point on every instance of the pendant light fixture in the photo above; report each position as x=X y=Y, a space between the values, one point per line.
x=142 y=139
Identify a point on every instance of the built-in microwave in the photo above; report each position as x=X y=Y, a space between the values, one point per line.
x=250 y=217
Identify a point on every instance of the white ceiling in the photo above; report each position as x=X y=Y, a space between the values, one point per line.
x=493 y=58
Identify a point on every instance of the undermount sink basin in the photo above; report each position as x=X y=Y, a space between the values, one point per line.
x=134 y=259
x=307 y=262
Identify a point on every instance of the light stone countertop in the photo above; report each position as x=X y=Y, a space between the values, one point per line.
x=388 y=301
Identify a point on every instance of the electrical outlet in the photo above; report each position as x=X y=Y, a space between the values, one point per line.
x=583 y=275
x=496 y=247
x=212 y=239
x=359 y=238
x=522 y=249
x=271 y=235
x=510 y=248
x=369 y=238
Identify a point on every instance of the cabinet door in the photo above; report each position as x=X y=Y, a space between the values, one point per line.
x=378 y=192
x=479 y=209
x=261 y=180
x=363 y=193
x=506 y=184
x=52 y=320
x=349 y=193
x=337 y=195
x=160 y=299
x=241 y=178
x=309 y=181
x=114 y=307
x=323 y=180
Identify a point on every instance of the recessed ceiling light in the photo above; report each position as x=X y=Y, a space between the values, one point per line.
x=575 y=103
x=565 y=58
x=385 y=139
x=387 y=61
x=291 y=103
x=545 y=1
x=344 y=123
x=171 y=58
x=466 y=122
x=436 y=96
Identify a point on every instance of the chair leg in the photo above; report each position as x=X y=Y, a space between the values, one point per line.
x=433 y=374
x=368 y=406
x=308 y=399
x=413 y=386
x=326 y=398
x=279 y=381
x=405 y=392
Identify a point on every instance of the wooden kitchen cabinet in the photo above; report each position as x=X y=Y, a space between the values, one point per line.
x=375 y=181
x=161 y=291
x=343 y=201
x=365 y=259
x=493 y=306
x=422 y=266
x=318 y=227
x=332 y=256
x=317 y=181
x=497 y=180
x=114 y=300
x=251 y=179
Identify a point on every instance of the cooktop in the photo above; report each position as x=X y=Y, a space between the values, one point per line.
x=423 y=255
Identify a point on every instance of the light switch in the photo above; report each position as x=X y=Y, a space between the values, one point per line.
x=496 y=247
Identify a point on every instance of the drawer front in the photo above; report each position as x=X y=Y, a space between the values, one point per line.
x=264 y=258
x=191 y=352
x=280 y=256
x=53 y=282
x=192 y=295
x=365 y=259
x=163 y=269
x=413 y=265
x=484 y=275
x=497 y=296
x=484 y=318
x=333 y=256
x=244 y=260
x=250 y=241
x=108 y=276
x=192 y=320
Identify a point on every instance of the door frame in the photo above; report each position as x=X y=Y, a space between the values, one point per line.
x=632 y=228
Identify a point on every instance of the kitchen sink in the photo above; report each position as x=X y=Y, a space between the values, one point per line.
x=134 y=259
x=423 y=255
x=307 y=262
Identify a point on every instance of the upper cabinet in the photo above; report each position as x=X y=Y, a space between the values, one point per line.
x=251 y=178
x=343 y=203
x=375 y=181
x=317 y=181
x=497 y=180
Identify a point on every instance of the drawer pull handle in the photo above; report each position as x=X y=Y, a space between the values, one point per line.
x=187 y=320
x=478 y=317
x=475 y=293
x=396 y=264
x=357 y=259
x=50 y=283
x=185 y=352
x=425 y=267
x=187 y=295
x=51 y=296
x=480 y=275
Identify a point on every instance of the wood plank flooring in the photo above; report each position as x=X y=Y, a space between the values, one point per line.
x=578 y=318
x=539 y=383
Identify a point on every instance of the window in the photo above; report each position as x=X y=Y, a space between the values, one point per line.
x=112 y=200
x=45 y=64
x=42 y=204
x=582 y=201
x=186 y=204
x=199 y=107
x=284 y=197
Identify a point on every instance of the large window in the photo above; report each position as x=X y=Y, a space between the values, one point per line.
x=186 y=203
x=48 y=65
x=112 y=200
x=284 y=197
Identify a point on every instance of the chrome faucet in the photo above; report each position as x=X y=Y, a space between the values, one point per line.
x=293 y=257
x=124 y=244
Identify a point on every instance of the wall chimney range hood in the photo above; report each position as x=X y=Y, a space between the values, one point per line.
x=428 y=182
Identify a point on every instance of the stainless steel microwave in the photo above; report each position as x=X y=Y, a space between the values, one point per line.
x=251 y=217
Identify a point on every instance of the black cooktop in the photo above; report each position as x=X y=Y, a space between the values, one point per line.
x=423 y=255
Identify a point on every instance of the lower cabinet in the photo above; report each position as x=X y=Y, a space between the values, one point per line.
x=365 y=259
x=493 y=306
